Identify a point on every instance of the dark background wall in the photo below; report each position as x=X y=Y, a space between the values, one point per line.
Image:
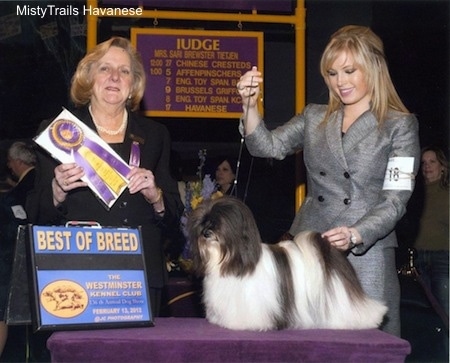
x=38 y=57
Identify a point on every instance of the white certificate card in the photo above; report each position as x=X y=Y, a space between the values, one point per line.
x=399 y=173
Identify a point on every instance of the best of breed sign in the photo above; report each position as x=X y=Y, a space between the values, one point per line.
x=88 y=277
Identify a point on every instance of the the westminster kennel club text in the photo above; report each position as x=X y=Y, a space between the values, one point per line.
x=69 y=10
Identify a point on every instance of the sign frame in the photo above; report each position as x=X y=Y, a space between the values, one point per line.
x=160 y=84
x=78 y=280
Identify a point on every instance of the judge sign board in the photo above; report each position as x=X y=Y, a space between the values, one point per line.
x=193 y=73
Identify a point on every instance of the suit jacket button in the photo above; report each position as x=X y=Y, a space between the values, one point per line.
x=346 y=175
x=123 y=205
x=320 y=198
x=125 y=221
x=347 y=201
x=323 y=173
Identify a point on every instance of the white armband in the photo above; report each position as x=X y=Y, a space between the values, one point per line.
x=399 y=173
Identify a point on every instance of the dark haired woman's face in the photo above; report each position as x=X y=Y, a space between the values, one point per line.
x=112 y=78
x=224 y=174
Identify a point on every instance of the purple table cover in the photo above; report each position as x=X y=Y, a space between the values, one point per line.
x=195 y=340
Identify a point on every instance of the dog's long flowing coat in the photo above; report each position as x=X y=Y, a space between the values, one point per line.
x=249 y=285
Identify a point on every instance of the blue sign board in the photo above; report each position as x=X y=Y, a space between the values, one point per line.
x=88 y=277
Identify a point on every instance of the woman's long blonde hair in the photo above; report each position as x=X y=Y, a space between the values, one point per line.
x=82 y=80
x=368 y=52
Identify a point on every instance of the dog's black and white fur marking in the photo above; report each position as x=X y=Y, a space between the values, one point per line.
x=249 y=285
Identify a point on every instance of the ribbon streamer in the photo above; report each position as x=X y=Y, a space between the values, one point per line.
x=103 y=169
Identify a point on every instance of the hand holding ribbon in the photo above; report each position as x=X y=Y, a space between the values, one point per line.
x=67 y=177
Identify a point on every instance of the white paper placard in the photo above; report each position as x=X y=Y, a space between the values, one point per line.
x=399 y=173
x=19 y=212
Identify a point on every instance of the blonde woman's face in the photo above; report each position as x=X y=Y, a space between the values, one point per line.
x=431 y=167
x=112 y=78
x=348 y=82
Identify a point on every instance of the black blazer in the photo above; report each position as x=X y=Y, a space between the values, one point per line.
x=21 y=189
x=129 y=210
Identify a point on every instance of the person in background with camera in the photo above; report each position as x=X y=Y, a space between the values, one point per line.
x=347 y=146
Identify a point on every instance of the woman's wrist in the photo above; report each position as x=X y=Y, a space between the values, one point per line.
x=57 y=202
x=158 y=203
x=251 y=119
x=355 y=238
x=59 y=195
x=158 y=197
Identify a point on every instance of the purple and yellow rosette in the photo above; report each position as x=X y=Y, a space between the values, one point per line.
x=103 y=169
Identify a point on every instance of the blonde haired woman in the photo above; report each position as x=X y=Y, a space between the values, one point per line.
x=347 y=145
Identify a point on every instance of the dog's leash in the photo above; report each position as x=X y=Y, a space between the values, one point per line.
x=238 y=163
x=238 y=166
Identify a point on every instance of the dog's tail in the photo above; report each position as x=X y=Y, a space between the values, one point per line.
x=336 y=293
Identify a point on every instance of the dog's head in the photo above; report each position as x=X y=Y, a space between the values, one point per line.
x=224 y=237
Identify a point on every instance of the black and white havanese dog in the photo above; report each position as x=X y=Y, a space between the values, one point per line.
x=250 y=285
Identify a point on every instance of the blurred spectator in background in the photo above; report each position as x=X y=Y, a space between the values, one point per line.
x=21 y=159
x=432 y=240
x=225 y=174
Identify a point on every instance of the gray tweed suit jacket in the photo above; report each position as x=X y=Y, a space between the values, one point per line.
x=345 y=176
